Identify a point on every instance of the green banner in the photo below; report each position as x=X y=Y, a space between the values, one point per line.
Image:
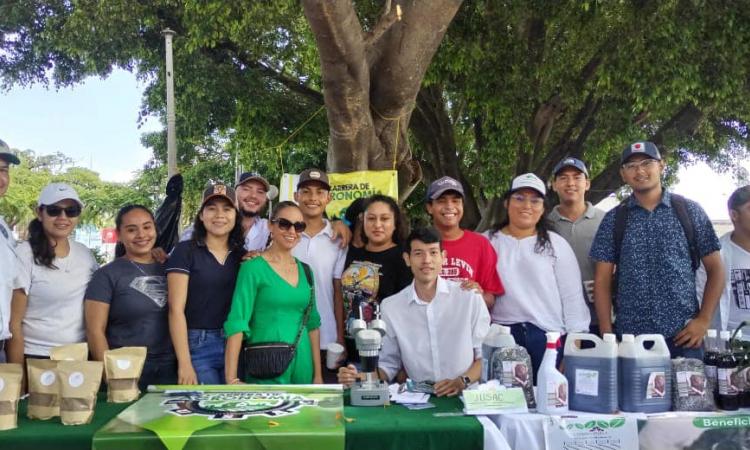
x=235 y=416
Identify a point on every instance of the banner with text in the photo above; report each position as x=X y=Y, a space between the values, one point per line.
x=591 y=433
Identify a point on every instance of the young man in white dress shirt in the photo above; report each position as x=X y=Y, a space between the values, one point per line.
x=434 y=328
x=8 y=260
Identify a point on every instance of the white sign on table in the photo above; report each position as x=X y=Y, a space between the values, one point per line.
x=568 y=433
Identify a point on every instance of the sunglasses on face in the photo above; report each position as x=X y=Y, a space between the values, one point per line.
x=285 y=224
x=70 y=211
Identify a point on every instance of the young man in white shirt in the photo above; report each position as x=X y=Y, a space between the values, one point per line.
x=434 y=328
x=734 y=304
x=324 y=255
x=8 y=260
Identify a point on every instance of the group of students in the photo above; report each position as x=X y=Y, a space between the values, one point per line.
x=238 y=279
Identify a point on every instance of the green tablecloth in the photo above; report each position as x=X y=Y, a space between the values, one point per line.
x=392 y=427
x=52 y=434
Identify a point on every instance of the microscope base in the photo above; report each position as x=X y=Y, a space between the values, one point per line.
x=369 y=394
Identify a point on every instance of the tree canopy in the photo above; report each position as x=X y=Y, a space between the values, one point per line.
x=513 y=86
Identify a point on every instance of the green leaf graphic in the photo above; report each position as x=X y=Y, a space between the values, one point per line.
x=603 y=424
x=589 y=424
x=617 y=422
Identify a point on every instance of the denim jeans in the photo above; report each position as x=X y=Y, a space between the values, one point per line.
x=158 y=370
x=207 y=354
x=534 y=340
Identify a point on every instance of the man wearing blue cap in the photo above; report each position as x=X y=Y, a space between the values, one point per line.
x=8 y=260
x=577 y=220
x=656 y=240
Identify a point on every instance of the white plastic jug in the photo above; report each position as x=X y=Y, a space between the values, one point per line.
x=498 y=337
x=645 y=374
x=592 y=372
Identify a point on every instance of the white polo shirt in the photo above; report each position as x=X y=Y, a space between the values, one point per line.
x=326 y=259
x=434 y=340
x=8 y=268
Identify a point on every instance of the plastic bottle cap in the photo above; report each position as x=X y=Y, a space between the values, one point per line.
x=724 y=334
x=610 y=338
x=711 y=333
x=628 y=338
x=553 y=336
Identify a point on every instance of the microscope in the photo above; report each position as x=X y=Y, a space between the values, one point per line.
x=369 y=338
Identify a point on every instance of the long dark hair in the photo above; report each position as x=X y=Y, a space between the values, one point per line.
x=543 y=227
x=119 y=247
x=401 y=228
x=236 y=239
x=41 y=247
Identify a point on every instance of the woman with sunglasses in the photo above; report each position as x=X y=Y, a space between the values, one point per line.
x=126 y=299
x=543 y=288
x=47 y=305
x=201 y=274
x=274 y=302
x=377 y=270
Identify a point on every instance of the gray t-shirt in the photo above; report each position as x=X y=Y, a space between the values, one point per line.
x=137 y=297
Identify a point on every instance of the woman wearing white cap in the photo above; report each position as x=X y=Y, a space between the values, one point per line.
x=47 y=306
x=543 y=290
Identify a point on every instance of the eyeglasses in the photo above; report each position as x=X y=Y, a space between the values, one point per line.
x=70 y=211
x=635 y=165
x=534 y=200
x=285 y=224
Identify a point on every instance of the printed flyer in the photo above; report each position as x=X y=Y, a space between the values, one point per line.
x=591 y=433
x=698 y=431
x=233 y=416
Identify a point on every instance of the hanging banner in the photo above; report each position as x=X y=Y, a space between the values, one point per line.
x=591 y=433
x=232 y=416
x=708 y=431
x=347 y=187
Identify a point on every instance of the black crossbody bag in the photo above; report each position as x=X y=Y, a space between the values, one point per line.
x=264 y=360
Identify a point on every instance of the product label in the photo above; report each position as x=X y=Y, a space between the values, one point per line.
x=657 y=385
x=515 y=374
x=557 y=394
x=75 y=379
x=587 y=382
x=690 y=384
x=123 y=364
x=728 y=381
x=47 y=378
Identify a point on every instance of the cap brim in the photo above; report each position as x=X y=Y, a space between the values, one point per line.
x=559 y=169
x=435 y=195
x=213 y=196
x=543 y=194
x=10 y=158
x=625 y=159
x=321 y=182
x=258 y=179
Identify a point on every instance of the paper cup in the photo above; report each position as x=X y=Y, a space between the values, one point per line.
x=333 y=353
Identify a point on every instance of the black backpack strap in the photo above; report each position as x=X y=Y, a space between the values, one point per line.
x=680 y=208
x=621 y=221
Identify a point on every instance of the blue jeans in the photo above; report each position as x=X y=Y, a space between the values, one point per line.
x=207 y=354
x=534 y=340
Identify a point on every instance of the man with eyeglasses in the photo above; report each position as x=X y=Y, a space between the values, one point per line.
x=469 y=257
x=319 y=248
x=8 y=259
x=648 y=239
x=577 y=220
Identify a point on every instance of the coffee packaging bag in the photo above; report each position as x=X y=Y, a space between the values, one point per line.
x=11 y=377
x=70 y=352
x=79 y=383
x=44 y=389
x=123 y=367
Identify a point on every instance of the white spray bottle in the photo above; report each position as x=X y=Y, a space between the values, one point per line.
x=552 y=386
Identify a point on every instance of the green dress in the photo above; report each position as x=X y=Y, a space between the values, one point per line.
x=265 y=308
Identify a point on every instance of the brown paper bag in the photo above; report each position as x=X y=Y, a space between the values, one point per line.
x=70 y=352
x=79 y=383
x=123 y=367
x=11 y=377
x=44 y=389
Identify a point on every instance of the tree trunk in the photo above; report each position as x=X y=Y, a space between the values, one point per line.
x=371 y=80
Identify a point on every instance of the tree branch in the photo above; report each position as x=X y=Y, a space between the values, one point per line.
x=384 y=24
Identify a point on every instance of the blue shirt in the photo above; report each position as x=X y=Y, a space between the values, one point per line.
x=655 y=279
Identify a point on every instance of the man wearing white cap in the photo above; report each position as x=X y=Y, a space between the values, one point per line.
x=8 y=260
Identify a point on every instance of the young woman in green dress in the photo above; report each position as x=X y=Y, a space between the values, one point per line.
x=269 y=303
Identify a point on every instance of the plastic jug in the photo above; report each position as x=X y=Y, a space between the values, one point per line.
x=552 y=386
x=498 y=336
x=592 y=373
x=645 y=374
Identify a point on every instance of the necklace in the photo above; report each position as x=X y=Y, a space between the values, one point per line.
x=138 y=267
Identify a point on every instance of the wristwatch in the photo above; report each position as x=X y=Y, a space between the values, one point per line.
x=466 y=380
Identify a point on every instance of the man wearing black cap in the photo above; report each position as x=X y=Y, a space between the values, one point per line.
x=577 y=220
x=469 y=256
x=8 y=260
x=656 y=239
